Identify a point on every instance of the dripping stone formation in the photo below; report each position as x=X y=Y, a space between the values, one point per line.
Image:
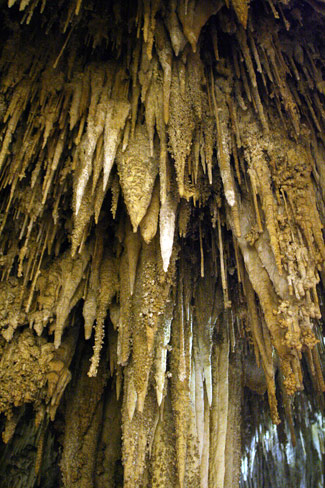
x=162 y=185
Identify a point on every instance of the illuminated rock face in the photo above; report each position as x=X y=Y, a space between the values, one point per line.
x=162 y=187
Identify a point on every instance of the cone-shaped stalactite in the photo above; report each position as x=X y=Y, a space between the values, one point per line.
x=162 y=187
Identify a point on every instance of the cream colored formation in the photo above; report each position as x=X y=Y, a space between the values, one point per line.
x=163 y=183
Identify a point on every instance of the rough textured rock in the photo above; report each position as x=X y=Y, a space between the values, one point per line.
x=162 y=255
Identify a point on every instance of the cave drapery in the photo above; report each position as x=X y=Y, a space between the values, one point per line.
x=162 y=194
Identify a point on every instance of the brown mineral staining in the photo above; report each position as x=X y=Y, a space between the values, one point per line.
x=137 y=171
x=241 y=8
x=149 y=223
x=109 y=286
x=161 y=227
x=25 y=381
x=81 y=432
x=180 y=127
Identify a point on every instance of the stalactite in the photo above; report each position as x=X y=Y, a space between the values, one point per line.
x=109 y=286
x=161 y=227
x=137 y=171
x=180 y=391
x=123 y=313
x=163 y=454
x=177 y=37
x=180 y=128
x=224 y=156
x=152 y=290
x=90 y=303
x=233 y=442
x=167 y=222
x=72 y=274
x=133 y=247
x=241 y=8
x=149 y=223
x=114 y=124
x=110 y=444
x=162 y=341
x=79 y=458
x=164 y=50
x=137 y=433
x=219 y=413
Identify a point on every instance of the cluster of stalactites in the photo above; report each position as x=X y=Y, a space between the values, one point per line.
x=272 y=446
x=166 y=131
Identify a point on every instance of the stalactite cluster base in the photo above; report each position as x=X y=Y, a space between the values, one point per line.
x=162 y=205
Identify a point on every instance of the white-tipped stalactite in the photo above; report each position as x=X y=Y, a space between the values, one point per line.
x=162 y=258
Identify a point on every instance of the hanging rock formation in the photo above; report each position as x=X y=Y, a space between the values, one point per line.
x=162 y=194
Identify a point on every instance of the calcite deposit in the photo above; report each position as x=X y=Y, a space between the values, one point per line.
x=162 y=211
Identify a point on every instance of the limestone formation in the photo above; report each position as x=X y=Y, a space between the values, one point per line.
x=162 y=217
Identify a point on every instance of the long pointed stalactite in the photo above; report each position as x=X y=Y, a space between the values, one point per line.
x=162 y=204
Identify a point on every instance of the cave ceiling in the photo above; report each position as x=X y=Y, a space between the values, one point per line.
x=162 y=206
